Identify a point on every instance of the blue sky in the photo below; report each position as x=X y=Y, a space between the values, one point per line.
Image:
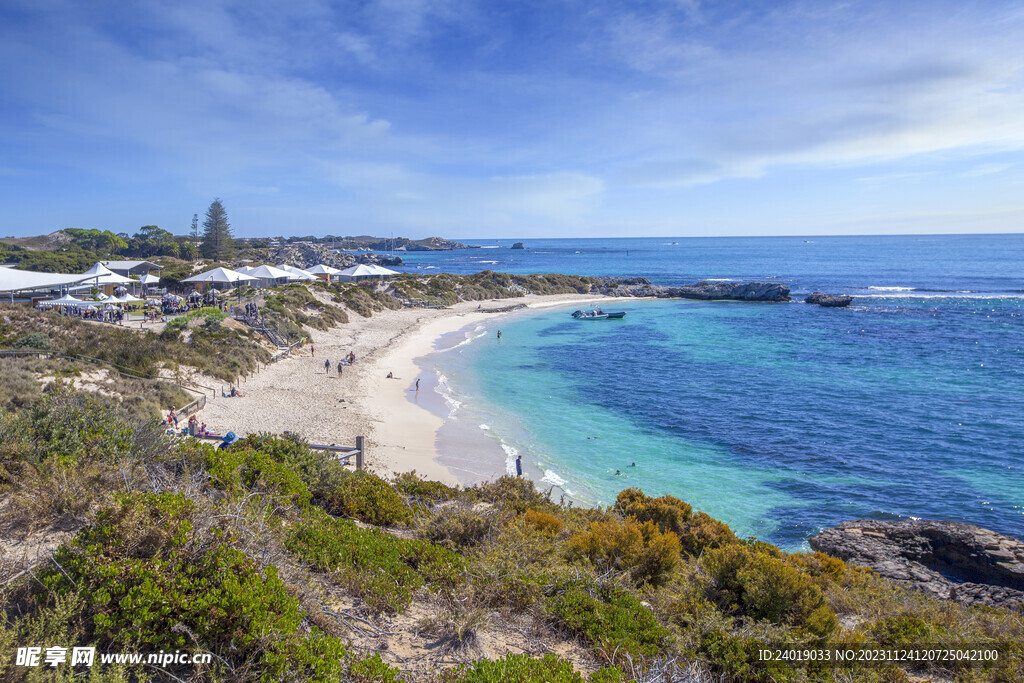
x=513 y=119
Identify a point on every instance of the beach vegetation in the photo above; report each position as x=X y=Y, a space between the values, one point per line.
x=245 y=552
x=383 y=569
x=367 y=498
x=419 y=489
x=640 y=548
x=609 y=619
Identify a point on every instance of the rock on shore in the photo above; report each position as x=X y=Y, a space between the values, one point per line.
x=950 y=560
x=829 y=300
x=707 y=291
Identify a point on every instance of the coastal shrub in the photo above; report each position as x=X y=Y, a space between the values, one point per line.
x=517 y=494
x=247 y=470
x=367 y=498
x=421 y=490
x=515 y=669
x=704 y=532
x=668 y=512
x=384 y=569
x=641 y=548
x=738 y=658
x=609 y=620
x=20 y=387
x=35 y=340
x=172 y=593
x=456 y=528
x=906 y=629
x=544 y=522
x=760 y=586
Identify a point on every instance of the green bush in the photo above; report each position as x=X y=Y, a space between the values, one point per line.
x=515 y=493
x=36 y=340
x=421 y=490
x=456 y=528
x=367 y=498
x=739 y=658
x=515 y=669
x=610 y=620
x=384 y=569
x=641 y=548
x=142 y=583
x=752 y=582
x=668 y=512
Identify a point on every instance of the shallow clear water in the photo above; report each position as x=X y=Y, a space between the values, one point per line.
x=780 y=419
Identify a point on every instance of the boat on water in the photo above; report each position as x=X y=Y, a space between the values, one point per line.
x=598 y=314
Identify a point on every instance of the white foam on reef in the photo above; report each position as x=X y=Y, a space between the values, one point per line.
x=484 y=427
x=492 y=246
x=893 y=289
x=445 y=391
x=957 y=295
x=488 y=261
x=718 y=279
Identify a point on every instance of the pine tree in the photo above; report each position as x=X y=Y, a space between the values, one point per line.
x=217 y=241
x=195 y=227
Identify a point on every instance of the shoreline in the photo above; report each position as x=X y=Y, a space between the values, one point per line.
x=296 y=395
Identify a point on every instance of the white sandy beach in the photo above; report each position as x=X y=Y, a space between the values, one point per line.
x=296 y=395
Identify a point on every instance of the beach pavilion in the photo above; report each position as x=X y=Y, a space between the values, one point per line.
x=220 y=276
x=103 y=278
x=366 y=271
x=297 y=274
x=323 y=272
x=267 y=276
x=13 y=280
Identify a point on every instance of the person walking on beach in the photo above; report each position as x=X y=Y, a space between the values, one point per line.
x=417 y=384
x=519 y=465
x=312 y=351
x=339 y=368
x=327 y=366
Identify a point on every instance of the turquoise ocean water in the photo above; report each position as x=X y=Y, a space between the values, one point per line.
x=780 y=419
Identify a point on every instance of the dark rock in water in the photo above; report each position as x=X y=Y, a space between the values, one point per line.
x=950 y=560
x=829 y=300
x=729 y=291
x=734 y=291
x=519 y=245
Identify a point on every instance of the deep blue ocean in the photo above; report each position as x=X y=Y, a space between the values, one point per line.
x=780 y=419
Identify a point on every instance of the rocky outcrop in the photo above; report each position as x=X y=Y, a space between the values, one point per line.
x=950 y=560
x=726 y=291
x=304 y=255
x=829 y=300
x=518 y=245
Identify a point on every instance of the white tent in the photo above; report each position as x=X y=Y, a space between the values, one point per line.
x=148 y=279
x=366 y=271
x=66 y=300
x=13 y=280
x=296 y=274
x=102 y=275
x=323 y=272
x=125 y=299
x=220 y=276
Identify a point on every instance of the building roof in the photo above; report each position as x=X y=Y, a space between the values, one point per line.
x=321 y=269
x=128 y=265
x=14 y=280
x=103 y=275
x=368 y=270
x=221 y=274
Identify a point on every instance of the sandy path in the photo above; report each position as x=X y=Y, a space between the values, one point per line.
x=296 y=395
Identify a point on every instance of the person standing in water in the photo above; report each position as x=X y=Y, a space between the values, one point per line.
x=417 y=384
x=519 y=465
x=499 y=335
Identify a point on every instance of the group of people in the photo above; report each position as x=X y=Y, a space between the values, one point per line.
x=349 y=360
x=232 y=393
x=194 y=428
x=252 y=310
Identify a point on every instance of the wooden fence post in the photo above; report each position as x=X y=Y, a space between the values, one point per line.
x=361 y=454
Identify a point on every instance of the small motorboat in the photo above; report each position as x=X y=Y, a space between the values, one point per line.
x=598 y=314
